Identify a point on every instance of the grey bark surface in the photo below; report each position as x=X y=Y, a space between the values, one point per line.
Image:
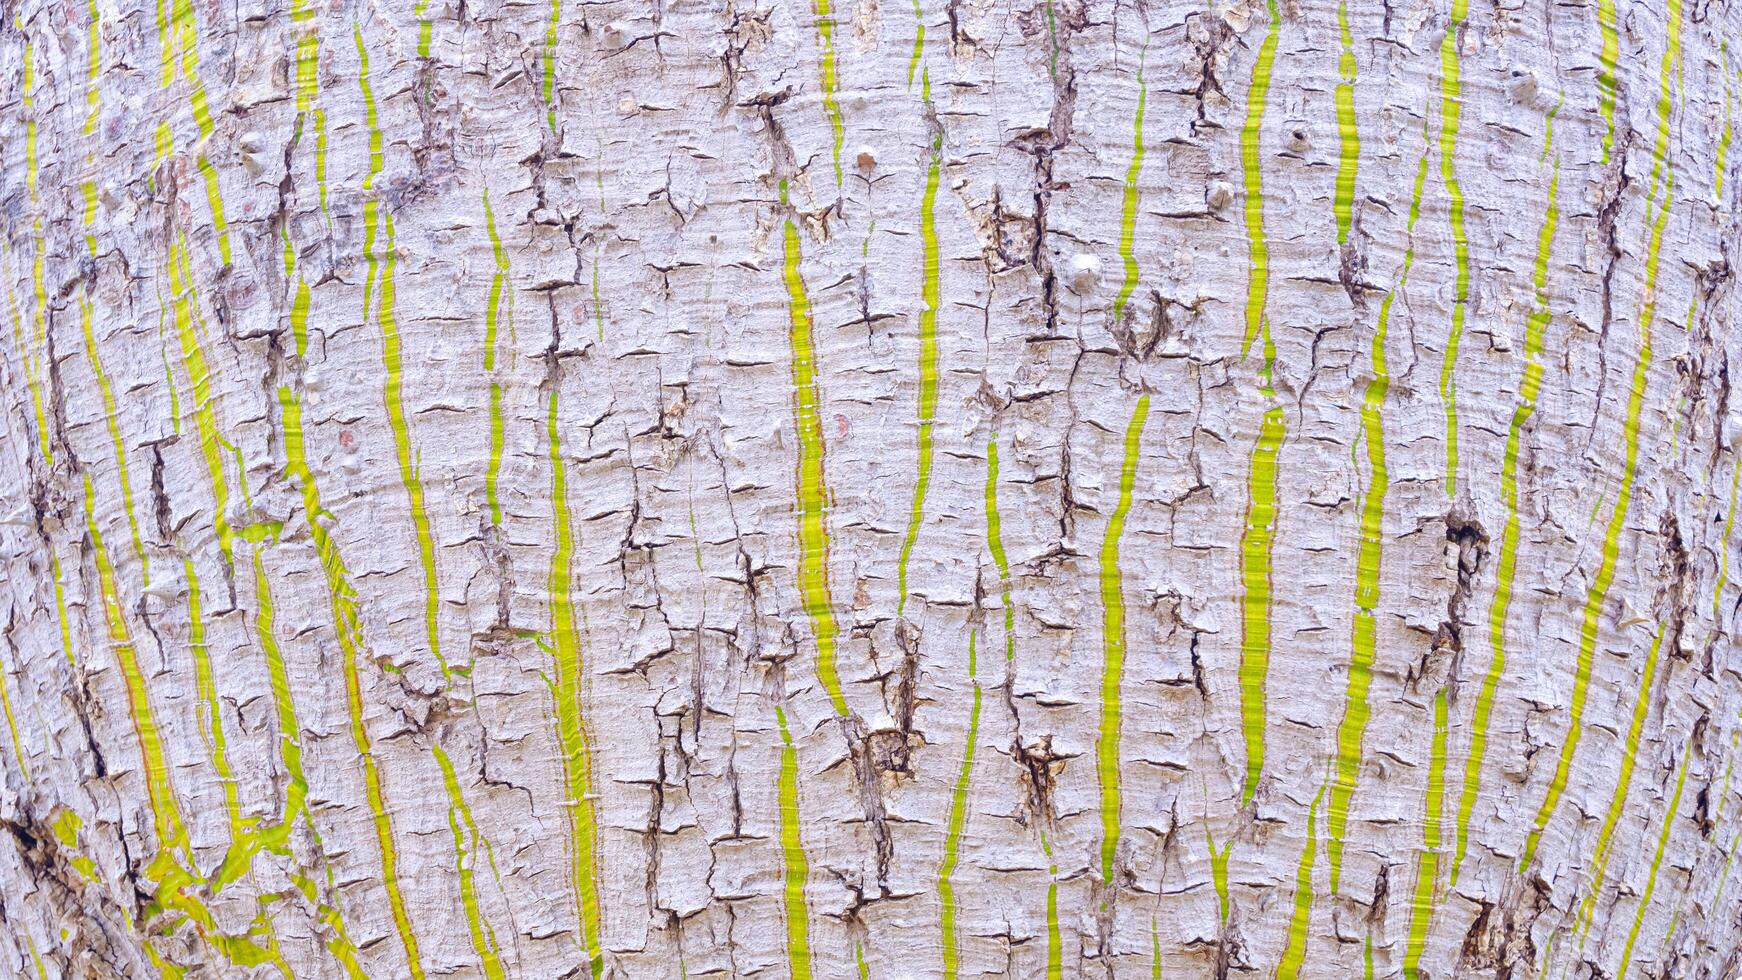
x=432 y=701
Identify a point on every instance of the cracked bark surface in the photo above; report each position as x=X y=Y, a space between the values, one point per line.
x=460 y=459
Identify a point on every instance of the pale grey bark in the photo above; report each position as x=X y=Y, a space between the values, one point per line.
x=643 y=215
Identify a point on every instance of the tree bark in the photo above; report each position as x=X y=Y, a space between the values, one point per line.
x=1038 y=488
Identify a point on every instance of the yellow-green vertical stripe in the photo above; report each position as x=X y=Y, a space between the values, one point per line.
x=1128 y=207
x=1348 y=135
x=1623 y=782
x=813 y=490
x=1451 y=108
x=829 y=71
x=1258 y=540
x=797 y=866
x=1351 y=730
x=348 y=629
x=466 y=847
x=1662 y=178
x=930 y=299
x=1294 y=952
x=1675 y=802
x=1113 y=645
x=1427 y=869
x=573 y=736
x=492 y=322
x=392 y=361
x=1529 y=387
x=957 y=821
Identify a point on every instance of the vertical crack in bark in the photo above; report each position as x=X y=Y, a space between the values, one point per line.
x=1470 y=540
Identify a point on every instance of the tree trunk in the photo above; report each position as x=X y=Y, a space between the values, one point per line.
x=1040 y=488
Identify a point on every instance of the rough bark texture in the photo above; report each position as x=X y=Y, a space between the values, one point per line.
x=864 y=490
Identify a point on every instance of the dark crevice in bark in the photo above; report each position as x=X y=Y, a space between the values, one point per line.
x=1381 y=898
x=891 y=748
x=868 y=777
x=1231 y=946
x=84 y=911
x=1210 y=36
x=1198 y=680
x=159 y=497
x=1040 y=767
x=1352 y=267
x=1675 y=586
x=1616 y=182
x=1466 y=533
x=1499 y=941
x=656 y=814
x=1042 y=145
